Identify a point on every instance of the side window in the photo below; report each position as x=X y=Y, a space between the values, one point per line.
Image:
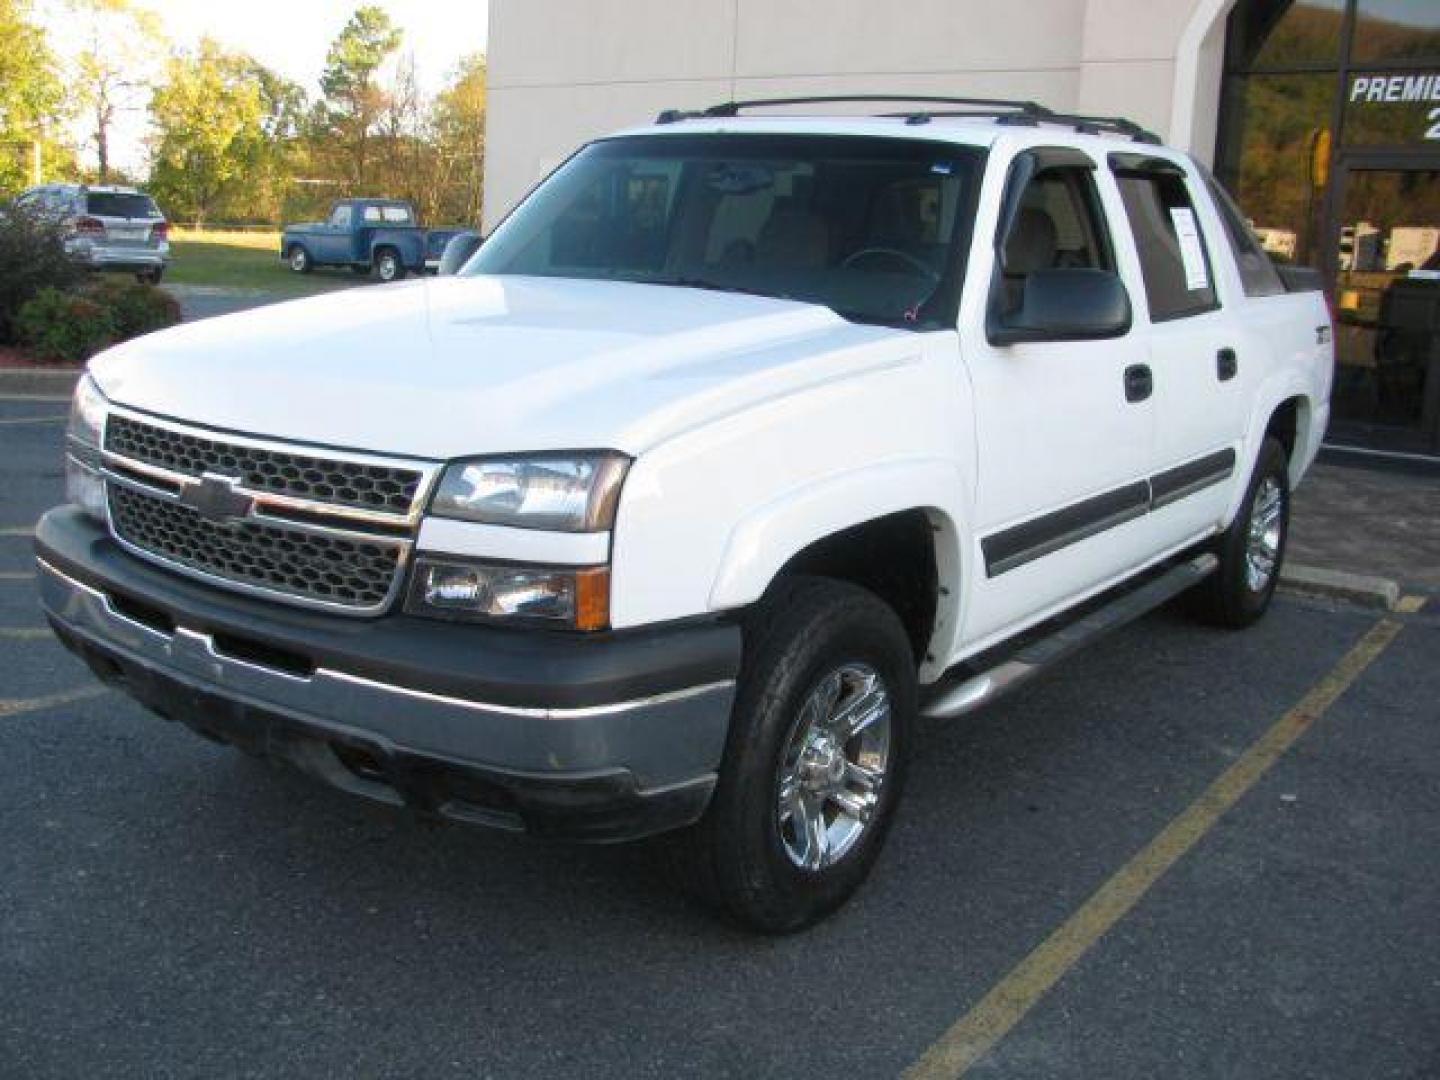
x=1258 y=275
x=1173 y=260
x=340 y=217
x=1059 y=226
x=372 y=213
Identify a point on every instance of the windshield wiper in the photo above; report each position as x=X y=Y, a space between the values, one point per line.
x=714 y=286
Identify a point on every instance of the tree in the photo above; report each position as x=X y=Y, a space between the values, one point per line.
x=354 y=101
x=458 y=129
x=114 y=68
x=31 y=98
x=223 y=124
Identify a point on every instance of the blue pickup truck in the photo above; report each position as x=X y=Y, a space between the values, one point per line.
x=371 y=236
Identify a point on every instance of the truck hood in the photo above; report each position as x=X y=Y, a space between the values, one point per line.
x=450 y=367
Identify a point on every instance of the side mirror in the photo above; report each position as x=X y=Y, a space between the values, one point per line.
x=1070 y=304
x=457 y=252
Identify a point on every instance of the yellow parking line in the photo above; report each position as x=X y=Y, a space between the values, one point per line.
x=1409 y=605
x=24 y=633
x=975 y=1033
x=32 y=420
x=17 y=706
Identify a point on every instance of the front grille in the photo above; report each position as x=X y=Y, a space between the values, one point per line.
x=355 y=485
x=349 y=572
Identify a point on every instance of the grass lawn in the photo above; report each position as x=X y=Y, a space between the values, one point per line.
x=243 y=260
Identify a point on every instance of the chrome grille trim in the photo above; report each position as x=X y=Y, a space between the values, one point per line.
x=394 y=532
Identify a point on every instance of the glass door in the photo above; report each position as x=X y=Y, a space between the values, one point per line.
x=1387 y=300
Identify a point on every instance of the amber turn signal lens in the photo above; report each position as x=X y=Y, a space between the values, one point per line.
x=592 y=598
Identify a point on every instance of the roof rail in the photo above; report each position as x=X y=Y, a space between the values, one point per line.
x=1003 y=110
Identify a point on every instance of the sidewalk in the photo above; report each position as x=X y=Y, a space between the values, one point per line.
x=1368 y=521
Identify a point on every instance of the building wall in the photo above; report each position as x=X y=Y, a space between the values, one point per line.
x=563 y=71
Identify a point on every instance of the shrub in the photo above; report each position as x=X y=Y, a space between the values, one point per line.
x=32 y=258
x=64 y=327
x=137 y=308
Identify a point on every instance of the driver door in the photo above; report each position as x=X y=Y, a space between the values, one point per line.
x=1063 y=428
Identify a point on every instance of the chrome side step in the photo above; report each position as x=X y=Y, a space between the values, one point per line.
x=1032 y=658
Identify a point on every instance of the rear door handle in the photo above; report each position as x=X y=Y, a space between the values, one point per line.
x=1139 y=382
x=1226 y=364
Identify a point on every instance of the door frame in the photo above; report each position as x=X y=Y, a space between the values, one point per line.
x=1355 y=159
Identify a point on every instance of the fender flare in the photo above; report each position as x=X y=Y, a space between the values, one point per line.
x=1278 y=389
x=773 y=533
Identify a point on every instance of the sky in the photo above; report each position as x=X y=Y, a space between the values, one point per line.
x=290 y=36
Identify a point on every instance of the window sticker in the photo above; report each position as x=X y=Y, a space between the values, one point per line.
x=1191 y=253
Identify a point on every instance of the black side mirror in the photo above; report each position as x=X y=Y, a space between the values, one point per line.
x=1070 y=304
x=457 y=252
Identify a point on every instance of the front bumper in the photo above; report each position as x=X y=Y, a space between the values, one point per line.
x=606 y=737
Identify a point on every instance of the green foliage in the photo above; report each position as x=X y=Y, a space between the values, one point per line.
x=32 y=258
x=343 y=125
x=65 y=327
x=224 y=128
x=135 y=308
x=31 y=96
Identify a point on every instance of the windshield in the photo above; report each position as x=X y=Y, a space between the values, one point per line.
x=869 y=227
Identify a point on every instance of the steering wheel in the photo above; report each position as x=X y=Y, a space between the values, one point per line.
x=894 y=253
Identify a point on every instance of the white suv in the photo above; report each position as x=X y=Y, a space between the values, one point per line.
x=740 y=444
x=106 y=228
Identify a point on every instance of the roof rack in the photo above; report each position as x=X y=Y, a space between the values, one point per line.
x=1003 y=110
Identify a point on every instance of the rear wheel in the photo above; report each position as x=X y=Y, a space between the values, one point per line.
x=150 y=277
x=1252 y=549
x=299 y=260
x=815 y=761
x=388 y=265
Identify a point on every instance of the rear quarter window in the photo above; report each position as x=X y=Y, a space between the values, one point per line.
x=120 y=204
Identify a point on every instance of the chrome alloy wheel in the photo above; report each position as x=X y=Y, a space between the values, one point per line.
x=1262 y=543
x=834 y=766
x=389 y=267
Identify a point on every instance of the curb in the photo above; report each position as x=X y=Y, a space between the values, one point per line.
x=39 y=382
x=1364 y=589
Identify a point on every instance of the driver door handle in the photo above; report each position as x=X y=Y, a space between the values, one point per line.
x=1139 y=382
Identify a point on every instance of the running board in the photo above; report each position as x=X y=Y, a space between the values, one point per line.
x=1036 y=656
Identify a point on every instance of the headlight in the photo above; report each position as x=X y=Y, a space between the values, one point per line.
x=577 y=597
x=83 y=436
x=562 y=492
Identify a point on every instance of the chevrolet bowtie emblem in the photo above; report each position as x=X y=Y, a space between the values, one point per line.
x=214 y=497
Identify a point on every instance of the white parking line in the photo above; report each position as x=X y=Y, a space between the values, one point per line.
x=18 y=531
x=16 y=575
x=34 y=420
x=17 y=706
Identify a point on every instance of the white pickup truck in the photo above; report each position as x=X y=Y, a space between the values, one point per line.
x=745 y=441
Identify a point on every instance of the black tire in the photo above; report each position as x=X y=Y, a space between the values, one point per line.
x=1231 y=597
x=735 y=859
x=388 y=265
x=299 y=259
x=151 y=277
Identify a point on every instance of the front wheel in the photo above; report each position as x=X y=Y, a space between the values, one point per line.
x=1252 y=549
x=815 y=761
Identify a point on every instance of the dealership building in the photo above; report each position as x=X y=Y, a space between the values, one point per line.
x=1322 y=116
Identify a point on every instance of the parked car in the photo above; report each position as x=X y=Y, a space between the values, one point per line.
x=458 y=252
x=739 y=445
x=106 y=227
x=371 y=236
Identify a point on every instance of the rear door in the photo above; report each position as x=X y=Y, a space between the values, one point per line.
x=1203 y=373
x=1063 y=428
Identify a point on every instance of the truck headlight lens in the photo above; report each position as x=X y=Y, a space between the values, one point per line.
x=577 y=597
x=83 y=436
x=561 y=492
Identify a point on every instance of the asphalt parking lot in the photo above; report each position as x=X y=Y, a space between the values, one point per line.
x=1182 y=853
